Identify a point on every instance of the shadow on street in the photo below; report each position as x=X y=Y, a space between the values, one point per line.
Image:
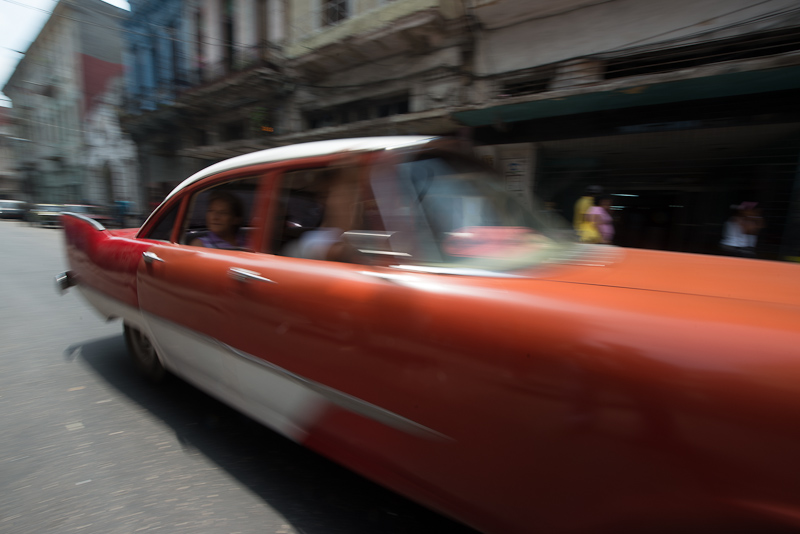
x=314 y=494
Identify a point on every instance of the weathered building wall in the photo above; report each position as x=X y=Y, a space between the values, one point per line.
x=10 y=187
x=70 y=63
x=557 y=92
x=680 y=109
x=519 y=34
x=110 y=153
x=307 y=31
x=46 y=92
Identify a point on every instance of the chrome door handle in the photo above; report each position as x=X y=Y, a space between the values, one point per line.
x=150 y=257
x=244 y=275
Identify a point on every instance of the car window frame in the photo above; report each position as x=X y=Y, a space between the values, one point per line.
x=254 y=209
x=362 y=160
x=182 y=199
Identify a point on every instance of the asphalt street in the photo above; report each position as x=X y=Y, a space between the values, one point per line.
x=87 y=446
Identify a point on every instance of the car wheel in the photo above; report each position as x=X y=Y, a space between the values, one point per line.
x=144 y=354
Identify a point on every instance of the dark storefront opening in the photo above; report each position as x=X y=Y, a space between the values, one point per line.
x=675 y=171
x=673 y=190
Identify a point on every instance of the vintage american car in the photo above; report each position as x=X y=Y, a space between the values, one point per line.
x=48 y=215
x=12 y=209
x=386 y=303
x=100 y=214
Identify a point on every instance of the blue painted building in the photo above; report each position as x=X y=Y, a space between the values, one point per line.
x=156 y=53
x=201 y=80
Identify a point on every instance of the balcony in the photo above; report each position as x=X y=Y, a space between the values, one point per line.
x=410 y=27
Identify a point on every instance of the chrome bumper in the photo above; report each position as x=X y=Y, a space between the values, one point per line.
x=64 y=281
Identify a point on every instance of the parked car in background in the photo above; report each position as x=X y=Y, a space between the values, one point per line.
x=48 y=215
x=385 y=302
x=12 y=209
x=100 y=214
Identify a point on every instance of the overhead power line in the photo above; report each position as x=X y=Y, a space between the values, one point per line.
x=13 y=50
x=159 y=32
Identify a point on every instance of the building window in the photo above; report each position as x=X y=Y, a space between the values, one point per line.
x=155 y=66
x=172 y=36
x=233 y=131
x=333 y=12
x=261 y=28
x=359 y=110
x=138 y=72
x=198 y=52
x=228 y=34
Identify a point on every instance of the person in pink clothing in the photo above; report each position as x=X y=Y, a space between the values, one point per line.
x=600 y=216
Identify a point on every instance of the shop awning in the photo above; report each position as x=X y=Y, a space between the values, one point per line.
x=634 y=95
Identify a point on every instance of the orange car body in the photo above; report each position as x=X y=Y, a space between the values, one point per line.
x=593 y=389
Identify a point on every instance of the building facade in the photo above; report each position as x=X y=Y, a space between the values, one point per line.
x=10 y=188
x=65 y=73
x=679 y=110
x=202 y=83
x=111 y=162
x=250 y=74
x=377 y=67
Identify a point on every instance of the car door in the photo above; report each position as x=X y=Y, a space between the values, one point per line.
x=287 y=317
x=186 y=291
x=306 y=327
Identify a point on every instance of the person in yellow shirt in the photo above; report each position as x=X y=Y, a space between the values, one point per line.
x=585 y=229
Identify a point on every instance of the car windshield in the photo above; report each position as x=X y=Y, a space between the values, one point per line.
x=463 y=219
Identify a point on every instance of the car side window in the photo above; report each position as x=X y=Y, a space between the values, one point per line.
x=316 y=207
x=301 y=207
x=163 y=229
x=320 y=210
x=220 y=217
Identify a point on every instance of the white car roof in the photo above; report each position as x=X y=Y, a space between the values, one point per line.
x=305 y=150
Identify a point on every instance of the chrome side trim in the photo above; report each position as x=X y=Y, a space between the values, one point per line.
x=389 y=276
x=383 y=252
x=348 y=402
x=455 y=271
x=326 y=393
x=97 y=225
x=246 y=275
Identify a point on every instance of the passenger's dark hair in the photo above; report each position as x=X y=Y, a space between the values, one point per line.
x=232 y=200
x=600 y=198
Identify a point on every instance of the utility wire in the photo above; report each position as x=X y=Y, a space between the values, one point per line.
x=12 y=49
x=664 y=45
x=628 y=45
x=219 y=42
x=208 y=41
x=158 y=27
x=30 y=7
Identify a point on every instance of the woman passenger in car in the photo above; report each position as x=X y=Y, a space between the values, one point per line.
x=223 y=219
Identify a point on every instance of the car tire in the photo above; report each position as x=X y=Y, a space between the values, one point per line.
x=144 y=354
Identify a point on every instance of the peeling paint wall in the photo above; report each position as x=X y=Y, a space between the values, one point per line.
x=307 y=34
x=580 y=29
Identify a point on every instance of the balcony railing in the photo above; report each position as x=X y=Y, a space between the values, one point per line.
x=237 y=60
x=166 y=92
